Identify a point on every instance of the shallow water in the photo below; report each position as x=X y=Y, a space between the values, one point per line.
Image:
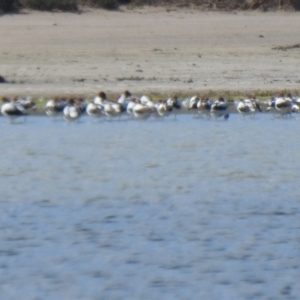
x=186 y=209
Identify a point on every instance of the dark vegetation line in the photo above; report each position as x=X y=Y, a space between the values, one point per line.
x=9 y=6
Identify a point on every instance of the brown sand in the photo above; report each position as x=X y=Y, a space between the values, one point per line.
x=147 y=50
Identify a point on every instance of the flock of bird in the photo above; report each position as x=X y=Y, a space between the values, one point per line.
x=143 y=107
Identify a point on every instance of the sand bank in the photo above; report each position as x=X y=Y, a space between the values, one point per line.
x=147 y=50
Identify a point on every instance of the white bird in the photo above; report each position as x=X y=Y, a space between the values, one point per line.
x=255 y=103
x=94 y=110
x=124 y=99
x=55 y=106
x=219 y=109
x=175 y=104
x=295 y=100
x=145 y=100
x=280 y=105
x=204 y=106
x=142 y=111
x=283 y=105
x=26 y=103
x=81 y=104
x=111 y=109
x=295 y=103
x=295 y=108
x=193 y=102
x=12 y=109
x=71 y=111
x=100 y=99
x=271 y=106
x=245 y=107
x=131 y=104
x=163 y=109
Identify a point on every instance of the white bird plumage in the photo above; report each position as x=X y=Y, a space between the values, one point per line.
x=204 y=107
x=144 y=110
x=72 y=111
x=245 y=107
x=94 y=110
x=220 y=109
x=12 y=109
x=55 y=106
x=163 y=109
x=280 y=105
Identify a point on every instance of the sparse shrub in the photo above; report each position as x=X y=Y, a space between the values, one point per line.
x=227 y=5
x=124 y=2
x=65 y=5
x=106 y=4
x=8 y=5
x=297 y=4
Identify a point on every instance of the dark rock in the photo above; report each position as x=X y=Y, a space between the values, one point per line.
x=2 y=80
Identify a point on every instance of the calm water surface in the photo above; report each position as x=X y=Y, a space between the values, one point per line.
x=186 y=209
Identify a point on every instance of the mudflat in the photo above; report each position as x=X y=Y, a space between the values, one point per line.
x=148 y=50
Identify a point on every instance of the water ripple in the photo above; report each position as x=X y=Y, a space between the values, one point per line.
x=151 y=210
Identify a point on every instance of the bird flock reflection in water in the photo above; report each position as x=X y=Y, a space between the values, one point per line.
x=143 y=107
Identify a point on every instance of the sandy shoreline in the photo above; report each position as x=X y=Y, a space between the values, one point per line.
x=147 y=51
